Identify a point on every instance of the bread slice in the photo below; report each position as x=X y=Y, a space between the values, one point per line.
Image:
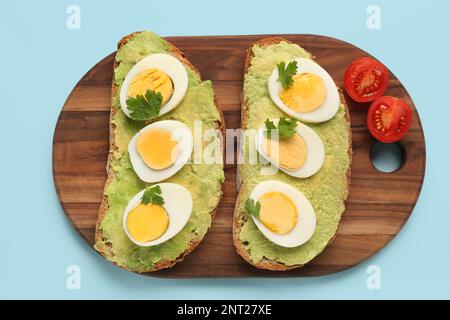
x=164 y=263
x=239 y=217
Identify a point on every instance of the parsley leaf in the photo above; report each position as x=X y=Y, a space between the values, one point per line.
x=145 y=107
x=152 y=195
x=252 y=207
x=285 y=73
x=269 y=126
x=286 y=127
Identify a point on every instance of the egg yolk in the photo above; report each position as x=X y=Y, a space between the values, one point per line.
x=151 y=79
x=306 y=94
x=289 y=154
x=157 y=148
x=278 y=212
x=147 y=222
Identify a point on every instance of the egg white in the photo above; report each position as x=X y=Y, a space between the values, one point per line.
x=166 y=63
x=306 y=223
x=178 y=204
x=329 y=107
x=181 y=133
x=315 y=149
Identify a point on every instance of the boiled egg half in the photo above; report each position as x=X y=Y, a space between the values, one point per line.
x=300 y=156
x=160 y=150
x=312 y=97
x=161 y=73
x=151 y=224
x=286 y=217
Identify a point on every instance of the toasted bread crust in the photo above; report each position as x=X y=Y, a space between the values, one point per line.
x=239 y=218
x=112 y=147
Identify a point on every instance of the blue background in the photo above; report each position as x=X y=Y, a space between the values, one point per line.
x=41 y=61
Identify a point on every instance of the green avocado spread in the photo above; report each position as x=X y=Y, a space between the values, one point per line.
x=202 y=180
x=326 y=190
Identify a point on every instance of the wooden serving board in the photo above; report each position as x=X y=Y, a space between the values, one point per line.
x=378 y=205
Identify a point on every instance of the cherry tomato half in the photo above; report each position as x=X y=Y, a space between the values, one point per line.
x=366 y=79
x=388 y=119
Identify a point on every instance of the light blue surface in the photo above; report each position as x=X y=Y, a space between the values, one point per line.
x=42 y=61
x=387 y=157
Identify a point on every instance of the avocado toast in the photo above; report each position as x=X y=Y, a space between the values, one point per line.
x=204 y=181
x=326 y=190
